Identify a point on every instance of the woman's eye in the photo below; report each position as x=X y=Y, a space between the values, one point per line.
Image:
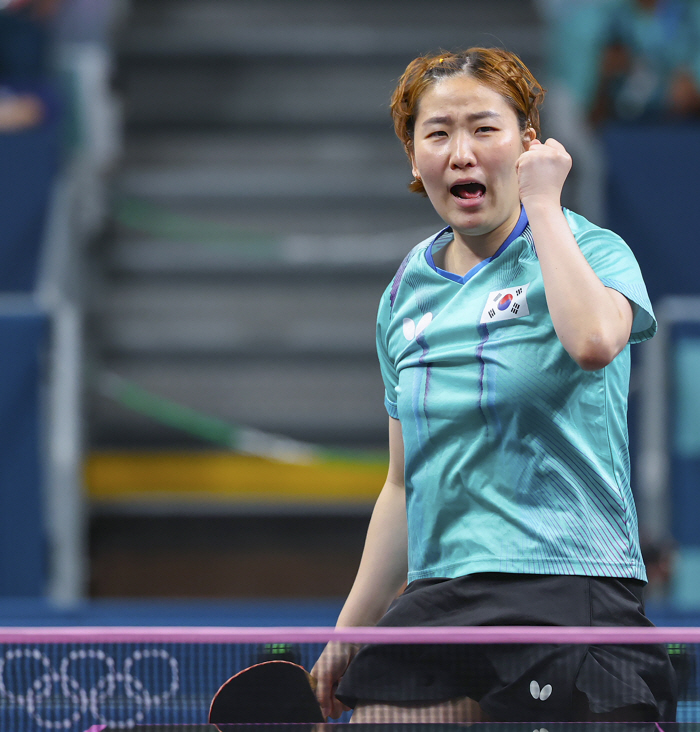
x=485 y=129
x=438 y=133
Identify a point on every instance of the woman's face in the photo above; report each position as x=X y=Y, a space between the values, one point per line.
x=465 y=146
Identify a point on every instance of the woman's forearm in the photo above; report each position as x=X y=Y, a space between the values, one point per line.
x=592 y=321
x=384 y=562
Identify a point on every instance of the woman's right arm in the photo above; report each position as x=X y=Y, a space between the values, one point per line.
x=381 y=574
x=384 y=562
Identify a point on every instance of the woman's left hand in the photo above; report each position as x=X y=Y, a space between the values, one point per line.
x=542 y=170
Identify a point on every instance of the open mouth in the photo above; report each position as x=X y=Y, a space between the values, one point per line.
x=468 y=190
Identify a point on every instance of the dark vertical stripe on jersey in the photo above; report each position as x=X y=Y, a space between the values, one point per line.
x=423 y=343
x=428 y=370
x=484 y=333
x=491 y=386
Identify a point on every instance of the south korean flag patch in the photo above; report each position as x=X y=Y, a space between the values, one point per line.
x=506 y=304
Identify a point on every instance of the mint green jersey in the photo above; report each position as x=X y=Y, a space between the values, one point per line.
x=516 y=459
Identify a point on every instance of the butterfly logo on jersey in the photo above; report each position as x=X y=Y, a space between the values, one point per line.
x=412 y=330
x=505 y=304
x=540 y=693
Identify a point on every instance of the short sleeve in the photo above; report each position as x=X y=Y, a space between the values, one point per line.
x=386 y=365
x=612 y=260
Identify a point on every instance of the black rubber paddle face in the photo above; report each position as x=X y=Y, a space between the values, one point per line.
x=275 y=691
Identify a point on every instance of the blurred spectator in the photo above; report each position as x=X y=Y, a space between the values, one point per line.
x=625 y=60
x=89 y=21
x=658 y=558
x=576 y=36
x=650 y=67
x=24 y=62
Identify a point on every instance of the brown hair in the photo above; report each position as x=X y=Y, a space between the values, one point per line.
x=500 y=70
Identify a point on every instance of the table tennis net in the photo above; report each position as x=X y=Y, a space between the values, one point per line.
x=77 y=679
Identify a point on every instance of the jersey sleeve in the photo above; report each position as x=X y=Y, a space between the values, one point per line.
x=386 y=364
x=612 y=260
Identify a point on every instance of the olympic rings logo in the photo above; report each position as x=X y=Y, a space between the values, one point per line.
x=57 y=688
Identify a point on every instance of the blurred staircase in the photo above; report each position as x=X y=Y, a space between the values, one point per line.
x=262 y=207
x=260 y=210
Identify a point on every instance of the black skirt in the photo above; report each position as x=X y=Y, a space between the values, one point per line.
x=523 y=682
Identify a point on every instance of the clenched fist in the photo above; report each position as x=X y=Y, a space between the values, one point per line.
x=542 y=170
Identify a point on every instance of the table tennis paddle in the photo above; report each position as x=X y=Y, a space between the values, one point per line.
x=273 y=691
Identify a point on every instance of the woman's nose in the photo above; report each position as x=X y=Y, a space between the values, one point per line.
x=462 y=152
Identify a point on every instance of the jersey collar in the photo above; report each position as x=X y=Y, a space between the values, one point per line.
x=445 y=236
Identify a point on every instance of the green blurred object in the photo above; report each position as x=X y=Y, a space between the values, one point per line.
x=157 y=220
x=233 y=436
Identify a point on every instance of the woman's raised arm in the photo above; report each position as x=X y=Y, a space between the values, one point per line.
x=593 y=322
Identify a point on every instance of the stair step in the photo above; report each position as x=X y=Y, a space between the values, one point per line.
x=292 y=256
x=287 y=166
x=295 y=229
x=142 y=315
x=270 y=148
x=245 y=91
x=318 y=182
x=386 y=15
x=319 y=40
x=313 y=400
x=264 y=163
x=363 y=27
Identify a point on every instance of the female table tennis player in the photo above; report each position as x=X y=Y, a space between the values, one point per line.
x=503 y=342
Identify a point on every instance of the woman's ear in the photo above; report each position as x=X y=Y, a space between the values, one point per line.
x=412 y=158
x=528 y=136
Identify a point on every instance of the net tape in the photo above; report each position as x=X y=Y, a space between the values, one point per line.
x=72 y=678
x=443 y=634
